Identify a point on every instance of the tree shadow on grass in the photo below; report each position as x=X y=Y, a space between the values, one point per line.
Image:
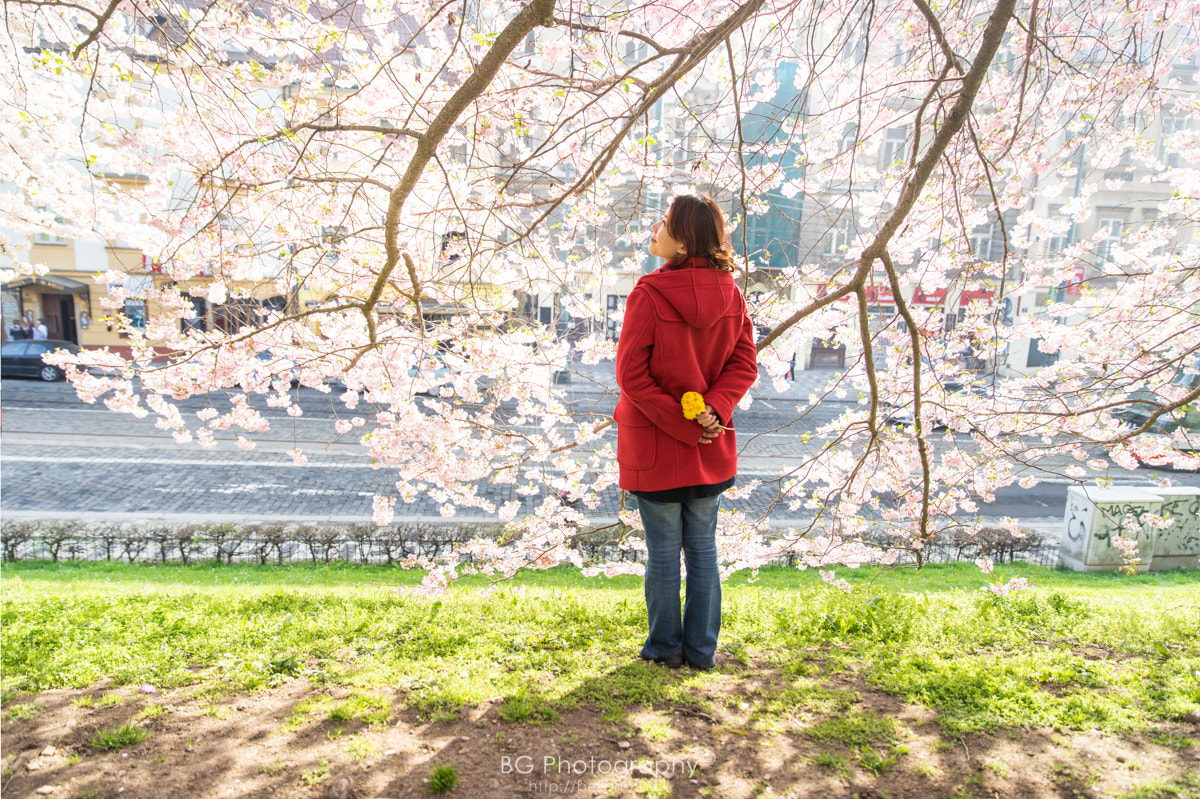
x=631 y=729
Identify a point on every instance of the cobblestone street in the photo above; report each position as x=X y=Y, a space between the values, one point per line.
x=62 y=458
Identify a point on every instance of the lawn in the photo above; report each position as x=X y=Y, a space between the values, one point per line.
x=300 y=680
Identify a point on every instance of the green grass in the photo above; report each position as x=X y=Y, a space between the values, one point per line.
x=835 y=762
x=119 y=737
x=1186 y=787
x=1079 y=651
x=443 y=778
x=856 y=730
x=22 y=712
x=315 y=776
x=941 y=578
x=361 y=749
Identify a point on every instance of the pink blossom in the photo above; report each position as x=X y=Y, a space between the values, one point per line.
x=1012 y=586
x=834 y=581
x=1129 y=553
x=382 y=509
x=508 y=511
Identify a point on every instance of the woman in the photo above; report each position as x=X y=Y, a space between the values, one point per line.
x=685 y=329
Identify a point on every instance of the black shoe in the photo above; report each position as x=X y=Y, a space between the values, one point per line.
x=692 y=665
x=670 y=663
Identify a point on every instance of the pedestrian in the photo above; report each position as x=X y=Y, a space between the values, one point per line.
x=40 y=332
x=686 y=329
x=791 y=372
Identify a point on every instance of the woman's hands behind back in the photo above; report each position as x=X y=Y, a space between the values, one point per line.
x=711 y=424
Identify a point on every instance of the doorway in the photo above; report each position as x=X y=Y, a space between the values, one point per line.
x=58 y=311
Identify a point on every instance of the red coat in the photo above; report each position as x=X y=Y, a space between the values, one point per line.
x=685 y=329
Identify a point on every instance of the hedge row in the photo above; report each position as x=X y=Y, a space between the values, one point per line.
x=227 y=542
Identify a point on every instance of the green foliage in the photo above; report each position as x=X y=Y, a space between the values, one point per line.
x=152 y=710
x=1186 y=787
x=654 y=789
x=803 y=696
x=855 y=730
x=834 y=762
x=1180 y=742
x=119 y=737
x=361 y=749
x=526 y=706
x=22 y=712
x=873 y=760
x=315 y=776
x=443 y=778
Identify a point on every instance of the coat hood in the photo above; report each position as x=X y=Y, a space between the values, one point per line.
x=697 y=294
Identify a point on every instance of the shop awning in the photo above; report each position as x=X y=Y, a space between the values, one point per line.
x=981 y=295
x=50 y=282
x=922 y=297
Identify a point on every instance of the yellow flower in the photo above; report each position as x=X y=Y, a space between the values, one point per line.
x=693 y=405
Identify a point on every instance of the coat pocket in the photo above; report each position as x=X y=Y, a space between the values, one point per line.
x=635 y=438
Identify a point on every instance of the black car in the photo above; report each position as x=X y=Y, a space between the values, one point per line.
x=24 y=358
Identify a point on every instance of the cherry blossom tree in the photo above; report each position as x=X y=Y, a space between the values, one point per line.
x=406 y=174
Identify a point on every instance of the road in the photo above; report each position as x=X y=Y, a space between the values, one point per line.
x=62 y=457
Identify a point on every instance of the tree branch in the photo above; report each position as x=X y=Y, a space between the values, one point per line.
x=993 y=34
x=101 y=21
x=538 y=12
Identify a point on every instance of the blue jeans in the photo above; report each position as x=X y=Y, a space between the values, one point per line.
x=692 y=527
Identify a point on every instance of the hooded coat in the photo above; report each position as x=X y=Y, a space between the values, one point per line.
x=685 y=329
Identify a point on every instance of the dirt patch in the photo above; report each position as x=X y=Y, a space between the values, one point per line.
x=736 y=735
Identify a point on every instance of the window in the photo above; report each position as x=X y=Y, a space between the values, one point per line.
x=614 y=305
x=1038 y=358
x=838 y=239
x=529 y=308
x=1058 y=242
x=134 y=308
x=635 y=50
x=894 y=147
x=849 y=139
x=1113 y=228
x=1186 y=49
x=236 y=315
x=981 y=241
x=1171 y=124
x=453 y=245
x=1006 y=58
x=198 y=320
x=135 y=312
x=47 y=238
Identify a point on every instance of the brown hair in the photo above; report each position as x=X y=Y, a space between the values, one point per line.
x=696 y=222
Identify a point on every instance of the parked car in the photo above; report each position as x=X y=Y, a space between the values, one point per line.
x=429 y=375
x=24 y=358
x=1144 y=403
x=956 y=397
x=271 y=365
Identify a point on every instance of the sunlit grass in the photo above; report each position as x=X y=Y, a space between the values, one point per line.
x=1078 y=651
